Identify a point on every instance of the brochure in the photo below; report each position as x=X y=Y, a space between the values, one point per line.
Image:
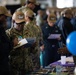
x=21 y=43
x=27 y=42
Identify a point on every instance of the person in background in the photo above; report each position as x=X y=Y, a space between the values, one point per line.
x=65 y=24
x=11 y=5
x=20 y=61
x=6 y=45
x=37 y=7
x=73 y=21
x=30 y=4
x=51 y=45
x=33 y=31
x=39 y=18
x=61 y=16
x=46 y=11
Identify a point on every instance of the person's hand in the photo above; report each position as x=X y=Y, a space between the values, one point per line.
x=15 y=41
x=59 y=38
x=42 y=47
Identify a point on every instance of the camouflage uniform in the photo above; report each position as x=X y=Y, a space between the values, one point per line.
x=26 y=59
x=34 y=31
x=20 y=57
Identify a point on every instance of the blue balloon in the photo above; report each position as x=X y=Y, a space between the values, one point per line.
x=71 y=43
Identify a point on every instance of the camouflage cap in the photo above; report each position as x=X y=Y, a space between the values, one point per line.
x=4 y=11
x=18 y=17
x=52 y=17
x=29 y=13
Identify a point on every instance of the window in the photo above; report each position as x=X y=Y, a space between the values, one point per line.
x=64 y=3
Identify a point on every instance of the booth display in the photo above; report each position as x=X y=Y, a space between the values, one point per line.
x=51 y=69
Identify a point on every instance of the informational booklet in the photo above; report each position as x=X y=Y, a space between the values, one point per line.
x=54 y=36
x=27 y=42
x=21 y=43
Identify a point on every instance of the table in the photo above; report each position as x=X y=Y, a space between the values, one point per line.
x=68 y=68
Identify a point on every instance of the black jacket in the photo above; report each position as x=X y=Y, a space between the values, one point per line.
x=5 y=46
x=66 y=27
x=47 y=30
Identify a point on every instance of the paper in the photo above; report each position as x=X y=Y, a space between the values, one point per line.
x=69 y=59
x=54 y=36
x=27 y=42
x=21 y=43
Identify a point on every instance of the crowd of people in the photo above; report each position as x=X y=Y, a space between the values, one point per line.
x=30 y=23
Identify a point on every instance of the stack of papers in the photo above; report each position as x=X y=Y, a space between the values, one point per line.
x=54 y=36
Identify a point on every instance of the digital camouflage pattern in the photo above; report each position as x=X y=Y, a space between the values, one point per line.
x=25 y=59
x=20 y=59
x=35 y=31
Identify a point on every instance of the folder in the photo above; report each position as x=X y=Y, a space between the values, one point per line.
x=54 y=36
x=31 y=41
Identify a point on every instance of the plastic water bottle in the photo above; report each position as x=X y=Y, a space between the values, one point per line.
x=41 y=59
x=58 y=69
